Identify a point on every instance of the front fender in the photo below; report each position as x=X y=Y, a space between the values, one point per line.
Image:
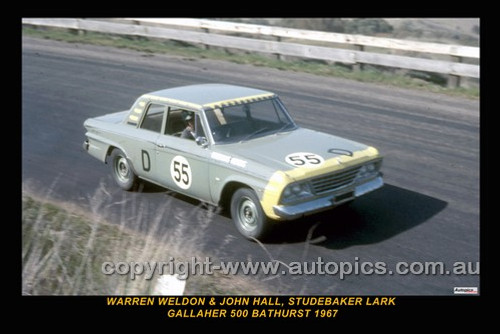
x=220 y=179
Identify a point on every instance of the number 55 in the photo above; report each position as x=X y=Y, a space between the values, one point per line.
x=304 y=159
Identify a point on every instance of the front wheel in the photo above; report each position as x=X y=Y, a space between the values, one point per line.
x=247 y=214
x=121 y=171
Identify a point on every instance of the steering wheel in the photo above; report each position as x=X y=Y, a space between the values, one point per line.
x=221 y=132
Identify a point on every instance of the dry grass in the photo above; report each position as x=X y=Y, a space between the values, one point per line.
x=64 y=246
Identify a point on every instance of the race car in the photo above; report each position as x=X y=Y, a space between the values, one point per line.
x=235 y=147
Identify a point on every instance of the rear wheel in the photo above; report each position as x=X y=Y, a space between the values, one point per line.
x=122 y=173
x=247 y=214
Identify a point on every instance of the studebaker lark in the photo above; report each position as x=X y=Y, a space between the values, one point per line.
x=235 y=147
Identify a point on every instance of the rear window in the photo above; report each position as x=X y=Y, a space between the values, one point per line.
x=136 y=112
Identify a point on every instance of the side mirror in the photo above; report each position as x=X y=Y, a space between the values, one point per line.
x=202 y=141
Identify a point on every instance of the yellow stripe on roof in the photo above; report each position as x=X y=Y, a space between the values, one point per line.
x=220 y=116
x=239 y=100
x=212 y=105
x=173 y=101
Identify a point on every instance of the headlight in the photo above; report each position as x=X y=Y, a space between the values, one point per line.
x=296 y=191
x=367 y=171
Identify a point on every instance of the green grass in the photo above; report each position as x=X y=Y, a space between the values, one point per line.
x=63 y=250
x=369 y=74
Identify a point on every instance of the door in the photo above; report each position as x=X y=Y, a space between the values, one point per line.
x=181 y=163
x=143 y=143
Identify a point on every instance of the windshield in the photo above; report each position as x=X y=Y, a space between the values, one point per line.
x=247 y=121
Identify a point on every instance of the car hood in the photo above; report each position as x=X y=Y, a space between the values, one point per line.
x=300 y=153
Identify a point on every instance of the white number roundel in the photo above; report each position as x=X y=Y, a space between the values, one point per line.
x=304 y=159
x=180 y=170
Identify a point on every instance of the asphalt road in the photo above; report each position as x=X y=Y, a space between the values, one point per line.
x=428 y=211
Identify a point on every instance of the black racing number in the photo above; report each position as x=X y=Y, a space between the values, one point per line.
x=181 y=172
x=312 y=158
x=297 y=160
x=340 y=151
x=300 y=160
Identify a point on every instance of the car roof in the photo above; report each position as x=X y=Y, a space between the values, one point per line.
x=209 y=96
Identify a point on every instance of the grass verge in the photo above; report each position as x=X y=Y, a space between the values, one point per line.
x=63 y=251
x=370 y=74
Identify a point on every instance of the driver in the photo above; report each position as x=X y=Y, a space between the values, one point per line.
x=188 y=132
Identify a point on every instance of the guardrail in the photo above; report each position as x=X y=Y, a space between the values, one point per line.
x=182 y=30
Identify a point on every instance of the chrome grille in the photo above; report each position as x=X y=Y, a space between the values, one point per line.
x=333 y=181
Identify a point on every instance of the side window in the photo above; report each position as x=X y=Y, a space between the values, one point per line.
x=154 y=117
x=175 y=122
x=184 y=124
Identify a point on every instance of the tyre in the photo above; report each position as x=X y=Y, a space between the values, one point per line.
x=248 y=216
x=122 y=173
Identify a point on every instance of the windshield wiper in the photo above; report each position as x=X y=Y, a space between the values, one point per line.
x=254 y=134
